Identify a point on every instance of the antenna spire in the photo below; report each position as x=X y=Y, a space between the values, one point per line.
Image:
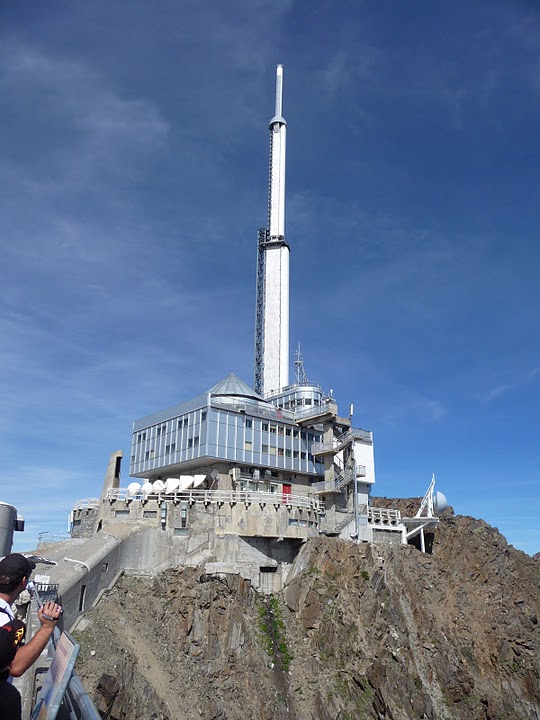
x=272 y=306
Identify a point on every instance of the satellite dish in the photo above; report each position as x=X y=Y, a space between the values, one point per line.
x=133 y=488
x=158 y=486
x=198 y=480
x=171 y=484
x=186 y=481
x=440 y=503
x=147 y=488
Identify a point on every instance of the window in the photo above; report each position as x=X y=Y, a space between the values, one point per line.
x=265 y=448
x=307 y=401
x=273 y=429
x=185 y=422
x=288 y=432
x=173 y=447
x=280 y=430
x=248 y=445
x=162 y=429
x=195 y=440
x=133 y=458
x=272 y=450
x=302 y=456
x=190 y=443
x=304 y=435
x=265 y=427
x=203 y=416
x=183 y=516
x=180 y=423
x=295 y=454
x=287 y=453
x=280 y=452
x=295 y=433
x=249 y=422
x=149 y=513
x=147 y=455
x=167 y=449
x=310 y=437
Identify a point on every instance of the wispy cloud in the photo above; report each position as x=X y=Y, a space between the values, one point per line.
x=517 y=384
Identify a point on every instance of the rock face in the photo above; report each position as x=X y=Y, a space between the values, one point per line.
x=366 y=631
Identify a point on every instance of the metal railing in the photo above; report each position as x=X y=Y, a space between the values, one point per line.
x=327 y=406
x=340 y=481
x=76 y=702
x=343 y=524
x=337 y=444
x=219 y=497
x=86 y=504
x=48 y=538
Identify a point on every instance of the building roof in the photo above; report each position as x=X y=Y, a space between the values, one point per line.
x=232 y=386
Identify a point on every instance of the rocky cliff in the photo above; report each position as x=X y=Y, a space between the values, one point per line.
x=359 y=632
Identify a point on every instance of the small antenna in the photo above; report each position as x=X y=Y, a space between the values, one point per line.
x=300 y=373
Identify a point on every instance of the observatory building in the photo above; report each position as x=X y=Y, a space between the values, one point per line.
x=241 y=476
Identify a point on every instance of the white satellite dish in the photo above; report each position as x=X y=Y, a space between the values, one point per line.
x=186 y=481
x=134 y=488
x=198 y=480
x=147 y=488
x=158 y=486
x=171 y=484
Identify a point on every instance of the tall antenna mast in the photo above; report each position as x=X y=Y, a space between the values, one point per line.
x=272 y=306
x=300 y=373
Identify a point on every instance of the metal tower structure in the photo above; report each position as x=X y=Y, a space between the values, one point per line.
x=272 y=299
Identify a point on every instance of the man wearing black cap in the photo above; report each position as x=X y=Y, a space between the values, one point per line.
x=15 y=571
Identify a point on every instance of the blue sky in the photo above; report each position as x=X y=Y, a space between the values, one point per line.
x=134 y=166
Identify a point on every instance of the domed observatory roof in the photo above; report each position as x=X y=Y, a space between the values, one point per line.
x=234 y=390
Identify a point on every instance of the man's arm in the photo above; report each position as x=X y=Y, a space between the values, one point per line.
x=28 y=654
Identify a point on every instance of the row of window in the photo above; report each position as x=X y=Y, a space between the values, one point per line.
x=299 y=402
x=182 y=422
x=192 y=442
x=288 y=432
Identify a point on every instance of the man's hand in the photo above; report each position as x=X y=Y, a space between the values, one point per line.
x=49 y=614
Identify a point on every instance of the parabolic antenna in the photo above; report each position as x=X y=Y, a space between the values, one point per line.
x=440 y=502
x=158 y=486
x=198 y=480
x=133 y=488
x=147 y=488
x=186 y=481
x=171 y=484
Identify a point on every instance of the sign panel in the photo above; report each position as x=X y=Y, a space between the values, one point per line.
x=56 y=679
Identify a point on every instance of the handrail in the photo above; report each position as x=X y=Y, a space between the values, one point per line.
x=76 y=698
x=219 y=497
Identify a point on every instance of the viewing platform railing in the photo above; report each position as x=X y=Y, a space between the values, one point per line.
x=383 y=516
x=220 y=497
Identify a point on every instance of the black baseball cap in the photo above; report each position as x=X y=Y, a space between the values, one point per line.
x=16 y=566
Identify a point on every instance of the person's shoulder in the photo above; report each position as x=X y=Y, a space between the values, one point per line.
x=6 y=613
